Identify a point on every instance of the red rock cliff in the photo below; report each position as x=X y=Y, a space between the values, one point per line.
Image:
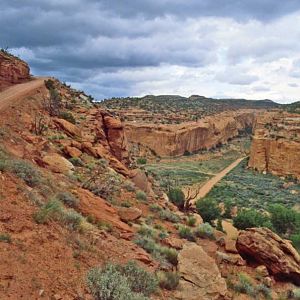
x=175 y=140
x=12 y=70
x=276 y=144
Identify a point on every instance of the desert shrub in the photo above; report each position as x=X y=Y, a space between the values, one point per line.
x=191 y=221
x=155 y=208
x=245 y=286
x=176 y=196
x=296 y=294
x=208 y=209
x=116 y=282
x=186 y=233
x=67 y=116
x=295 y=238
x=76 y=161
x=248 y=218
x=170 y=254
x=167 y=215
x=149 y=231
x=108 y=284
x=168 y=280
x=140 y=195
x=72 y=219
x=284 y=220
x=141 y=161
x=52 y=210
x=5 y=237
x=156 y=250
x=129 y=186
x=219 y=225
x=25 y=171
x=205 y=230
x=139 y=279
x=264 y=290
x=3 y=161
x=68 y=199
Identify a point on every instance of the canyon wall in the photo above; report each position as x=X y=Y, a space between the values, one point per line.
x=175 y=140
x=12 y=70
x=276 y=144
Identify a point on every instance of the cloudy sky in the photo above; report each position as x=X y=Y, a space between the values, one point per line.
x=216 y=48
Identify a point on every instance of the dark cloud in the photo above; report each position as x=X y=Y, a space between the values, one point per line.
x=80 y=40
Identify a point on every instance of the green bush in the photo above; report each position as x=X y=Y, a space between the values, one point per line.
x=170 y=254
x=296 y=294
x=129 y=186
x=116 y=282
x=67 y=116
x=168 y=280
x=245 y=286
x=186 y=233
x=248 y=218
x=140 y=280
x=167 y=215
x=208 y=209
x=141 y=161
x=76 y=161
x=191 y=221
x=284 y=219
x=68 y=199
x=204 y=230
x=177 y=197
x=295 y=238
x=140 y=195
x=25 y=171
x=5 y=237
x=72 y=219
x=52 y=210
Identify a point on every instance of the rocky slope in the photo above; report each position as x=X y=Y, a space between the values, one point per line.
x=276 y=144
x=176 y=140
x=12 y=70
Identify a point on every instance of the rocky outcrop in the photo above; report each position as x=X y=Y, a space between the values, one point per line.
x=268 y=249
x=129 y=214
x=175 y=140
x=58 y=164
x=12 y=70
x=91 y=205
x=276 y=144
x=200 y=276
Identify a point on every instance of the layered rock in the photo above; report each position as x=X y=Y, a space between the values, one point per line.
x=268 y=249
x=175 y=140
x=200 y=276
x=12 y=70
x=276 y=144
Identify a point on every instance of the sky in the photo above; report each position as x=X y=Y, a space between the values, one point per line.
x=115 y=48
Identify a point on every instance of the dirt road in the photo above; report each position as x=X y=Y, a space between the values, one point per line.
x=17 y=92
x=206 y=188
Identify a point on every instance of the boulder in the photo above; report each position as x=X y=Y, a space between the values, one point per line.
x=72 y=151
x=262 y=271
x=200 y=276
x=128 y=214
x=268 y=249
x=57 y=164
x=230 y=246
x=141 y=181
x=91 y=205
x=173 y=243
x=69 y=128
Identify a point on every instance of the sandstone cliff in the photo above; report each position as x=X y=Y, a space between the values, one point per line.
x=175 y=140
x=276 y=144
x=12 y=70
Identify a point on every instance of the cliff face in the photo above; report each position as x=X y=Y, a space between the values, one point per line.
x=12 y=70
x=175 y=140
x=276 y=144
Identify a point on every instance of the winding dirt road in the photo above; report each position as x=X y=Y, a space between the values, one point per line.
x=206 y=188
x=18 y=92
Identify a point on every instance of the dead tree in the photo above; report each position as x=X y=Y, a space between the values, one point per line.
x=190 y=195
x=39 y=125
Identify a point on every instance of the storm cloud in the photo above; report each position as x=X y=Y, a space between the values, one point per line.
x=233 y=48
